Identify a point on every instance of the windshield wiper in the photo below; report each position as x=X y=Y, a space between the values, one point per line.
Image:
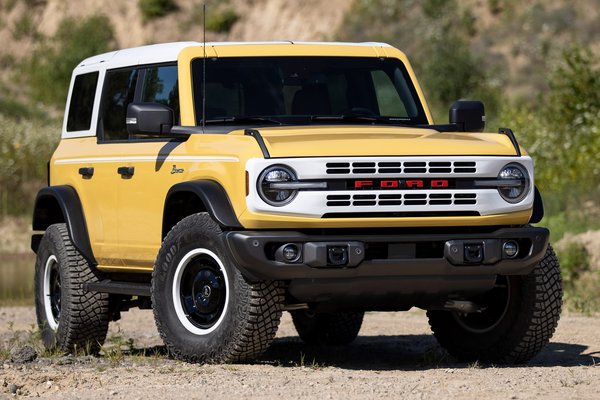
x=243 y=120
x=355 y=118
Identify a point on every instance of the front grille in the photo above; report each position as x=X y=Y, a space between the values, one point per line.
x=401 y=167
x=398 y=199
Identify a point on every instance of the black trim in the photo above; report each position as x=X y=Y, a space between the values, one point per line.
x=56 y=204
x=213 y=197
x=508 y=132
x=126 y=288
x=538 y=207
x=261 y=143
x=251 y=250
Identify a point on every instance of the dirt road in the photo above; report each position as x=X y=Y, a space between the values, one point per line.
x=394 y=357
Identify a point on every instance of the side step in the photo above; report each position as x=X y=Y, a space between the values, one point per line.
x=114 y=287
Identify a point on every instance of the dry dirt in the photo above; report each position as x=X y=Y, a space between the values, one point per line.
x=394 y=357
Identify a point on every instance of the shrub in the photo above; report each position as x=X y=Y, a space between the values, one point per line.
x=574 y=261
x=152 y=9
x=23 y=27
x=25 y=147
x=221 y=21
x=52 y=63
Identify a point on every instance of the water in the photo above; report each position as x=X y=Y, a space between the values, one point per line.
x=16 y=279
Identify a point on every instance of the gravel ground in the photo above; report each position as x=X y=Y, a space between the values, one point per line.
x=394 y=357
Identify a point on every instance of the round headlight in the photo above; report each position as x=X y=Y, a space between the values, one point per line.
x=270 y=182
x=517 y=183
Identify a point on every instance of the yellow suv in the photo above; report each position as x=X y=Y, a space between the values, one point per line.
x=221 y=184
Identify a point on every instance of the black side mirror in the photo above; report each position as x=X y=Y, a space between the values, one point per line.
x=468 y=115
x=149 y=119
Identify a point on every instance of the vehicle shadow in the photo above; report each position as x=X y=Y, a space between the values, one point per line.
x=405 y=352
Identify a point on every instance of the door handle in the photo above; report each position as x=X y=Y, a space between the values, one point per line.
x=126 y=172
x=86 y=173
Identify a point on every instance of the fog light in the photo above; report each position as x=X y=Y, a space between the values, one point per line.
x=510 y=249
x=290 y=252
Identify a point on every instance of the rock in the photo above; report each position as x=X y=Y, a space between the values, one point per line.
x=23 y=354
x=12 y=388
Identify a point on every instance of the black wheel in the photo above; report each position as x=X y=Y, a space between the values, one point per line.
x=69 y=317
x=204 y=309
x=334 y=329
x=520 y=316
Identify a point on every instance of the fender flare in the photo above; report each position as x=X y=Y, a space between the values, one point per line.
x=69 y=211
x=538 y=207
x=213 y=196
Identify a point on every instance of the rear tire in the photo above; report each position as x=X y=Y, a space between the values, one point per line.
x=334 y=329
x=204 y=309
x=69 y=318
x=521 y=316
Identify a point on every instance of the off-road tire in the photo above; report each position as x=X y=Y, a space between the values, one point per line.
x=528 y=324
x=250 y=316
x=334 y=329
x=84 y=316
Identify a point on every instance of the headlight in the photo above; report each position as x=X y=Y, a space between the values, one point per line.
x=272 y=188
x=517 y=183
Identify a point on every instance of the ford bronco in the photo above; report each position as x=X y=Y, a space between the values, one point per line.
x=221 y=184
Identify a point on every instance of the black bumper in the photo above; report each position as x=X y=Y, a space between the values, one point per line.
x=383 y=267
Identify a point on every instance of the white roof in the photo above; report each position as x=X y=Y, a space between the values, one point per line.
x=168 y=52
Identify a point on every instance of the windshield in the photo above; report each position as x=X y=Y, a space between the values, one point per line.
x=306 y=89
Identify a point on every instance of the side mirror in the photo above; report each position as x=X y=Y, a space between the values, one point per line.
x=468 y=115
x=149 y=119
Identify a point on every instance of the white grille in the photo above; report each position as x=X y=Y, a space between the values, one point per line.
x=399 y=199
x=401 y=167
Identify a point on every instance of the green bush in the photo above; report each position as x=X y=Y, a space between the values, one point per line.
x=52 y=63
x=23 y=27
x=25 y=146
x=221 y=20
x=152 y=9
x=574 y=261
x=562 y=131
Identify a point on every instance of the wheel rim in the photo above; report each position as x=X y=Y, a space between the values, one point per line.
x=496 y=301
x=52 y=292
x=200 y=291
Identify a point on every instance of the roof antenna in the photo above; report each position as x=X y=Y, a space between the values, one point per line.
x=204 y=67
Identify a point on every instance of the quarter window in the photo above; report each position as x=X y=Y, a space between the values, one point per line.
x=82 y=102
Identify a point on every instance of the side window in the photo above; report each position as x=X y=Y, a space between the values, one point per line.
x=160 y=86
x=388 y=99
x=82 y=102
x=119 y=91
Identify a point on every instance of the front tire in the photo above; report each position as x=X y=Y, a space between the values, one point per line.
x=69 y=318
x=332 y=329
x=521 y=315
x=204 y=309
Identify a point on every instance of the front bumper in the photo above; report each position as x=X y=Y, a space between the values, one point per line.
x=390 y=265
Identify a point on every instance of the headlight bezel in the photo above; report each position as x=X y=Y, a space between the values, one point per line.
x=526 y=186
x=264 y=195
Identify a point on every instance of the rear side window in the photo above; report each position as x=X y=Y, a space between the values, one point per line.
x=82 y=102
x=119 y=91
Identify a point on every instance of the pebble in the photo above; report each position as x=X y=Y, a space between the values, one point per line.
x=23 y=354
x=12 y=388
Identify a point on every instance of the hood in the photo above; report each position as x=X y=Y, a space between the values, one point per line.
x=332 y=141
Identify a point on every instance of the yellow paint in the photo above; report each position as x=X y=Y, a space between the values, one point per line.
x=266 y=221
